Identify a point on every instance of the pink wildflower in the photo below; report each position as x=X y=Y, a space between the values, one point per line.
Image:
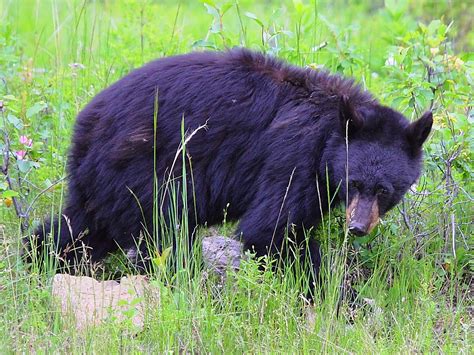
x=20 y=154
x=26 y=141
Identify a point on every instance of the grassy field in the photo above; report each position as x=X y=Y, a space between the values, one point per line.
x=413 y=274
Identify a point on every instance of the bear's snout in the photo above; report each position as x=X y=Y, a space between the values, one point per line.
x=358 y=229
x=362 y=215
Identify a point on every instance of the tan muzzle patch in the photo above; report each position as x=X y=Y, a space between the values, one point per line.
x=374 y=216
x=362 y=214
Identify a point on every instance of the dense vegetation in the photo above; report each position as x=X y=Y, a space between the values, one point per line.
x=413 y=274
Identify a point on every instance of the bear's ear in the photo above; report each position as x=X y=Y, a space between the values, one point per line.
x=349 y=116
x=418 y=131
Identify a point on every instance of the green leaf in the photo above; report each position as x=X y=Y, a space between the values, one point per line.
x=226 y=7
x=211 y=10
x=215 y=28
x=209 y=2
x=24 y=165
x=396 y=8
x=203 y=44
x=35 y=109
x=10 y=98
x=160 y=259
x=9 y=193
x=15 y=121
x=254 y=17
x=299 y=6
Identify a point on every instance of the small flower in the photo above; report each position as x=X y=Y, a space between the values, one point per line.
x=455 y=62
x=76 y=66
x=390 y=62
x=20 y=155
x=26 y=141
x=8 y=201
x=458 y=63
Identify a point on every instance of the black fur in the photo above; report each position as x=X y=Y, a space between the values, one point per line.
x=273 y=132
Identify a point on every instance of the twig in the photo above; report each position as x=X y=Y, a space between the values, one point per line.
x=26 y=215
x=5 y=170
x=405 y=216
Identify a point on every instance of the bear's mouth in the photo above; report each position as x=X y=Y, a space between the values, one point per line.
x=362 y=215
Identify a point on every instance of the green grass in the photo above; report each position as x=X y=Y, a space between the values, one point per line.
x=413 y=274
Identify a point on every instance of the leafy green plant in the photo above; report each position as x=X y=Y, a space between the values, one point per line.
x=424 y=73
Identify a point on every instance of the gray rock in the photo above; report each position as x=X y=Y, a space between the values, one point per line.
x=221 y=253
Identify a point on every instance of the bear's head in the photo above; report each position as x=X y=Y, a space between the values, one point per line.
x=378 y=157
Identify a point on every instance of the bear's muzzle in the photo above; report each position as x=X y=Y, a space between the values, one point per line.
x=362 y=215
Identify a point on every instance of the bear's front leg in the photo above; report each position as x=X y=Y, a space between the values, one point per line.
x=278 y=238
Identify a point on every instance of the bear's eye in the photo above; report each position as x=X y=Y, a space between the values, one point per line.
x=355 y=184
x=381 y=190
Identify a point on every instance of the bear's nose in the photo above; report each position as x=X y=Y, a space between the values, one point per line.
x=357 y=229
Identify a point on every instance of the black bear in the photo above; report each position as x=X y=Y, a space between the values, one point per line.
x=264 y=140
